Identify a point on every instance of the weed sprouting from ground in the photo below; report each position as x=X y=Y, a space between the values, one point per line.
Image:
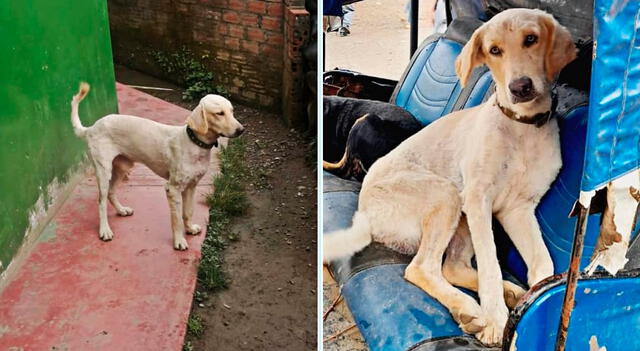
x=188 y=346
x=195 y=326
x=227 y=201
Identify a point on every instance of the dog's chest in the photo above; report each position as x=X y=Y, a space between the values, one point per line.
x=192 y=167
x=532 y=163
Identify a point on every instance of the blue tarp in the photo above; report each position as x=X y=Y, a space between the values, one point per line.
x=614 y=109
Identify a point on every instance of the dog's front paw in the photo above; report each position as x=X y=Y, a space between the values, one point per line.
x=193 y=229
x=125 y=211
x=491 y=334
x=106 y=234
x=180 y=244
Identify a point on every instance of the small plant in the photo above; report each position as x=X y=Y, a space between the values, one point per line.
x=195 y=326
x=187 y=346
x=191 y=73
x=233 y=236
x=227 y=200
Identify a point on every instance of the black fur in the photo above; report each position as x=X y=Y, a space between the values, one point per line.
x=384 y=127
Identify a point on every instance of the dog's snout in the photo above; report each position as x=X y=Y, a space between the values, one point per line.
x=239 y=131
x=522 y=89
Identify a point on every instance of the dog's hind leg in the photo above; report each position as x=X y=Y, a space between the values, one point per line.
x=121 y=166
x=457 y=268
x=439 y=223
x=102 y=162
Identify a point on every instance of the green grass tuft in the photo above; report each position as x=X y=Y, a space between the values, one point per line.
x=187 y=346
x=227 y=201
x=195 y=327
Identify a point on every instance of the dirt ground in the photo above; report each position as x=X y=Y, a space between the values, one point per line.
x=271 y=300
x=379 y=40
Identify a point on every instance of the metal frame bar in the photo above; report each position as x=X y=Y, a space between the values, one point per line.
x=572 y=276
x=413 y=40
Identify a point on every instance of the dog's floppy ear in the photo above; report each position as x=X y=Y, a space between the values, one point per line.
x=470 y=57
x=197 y=120
x=560 y=48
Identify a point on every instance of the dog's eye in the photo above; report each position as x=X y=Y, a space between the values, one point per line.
x=495 y=51
x=221 y=113
x=530 y=40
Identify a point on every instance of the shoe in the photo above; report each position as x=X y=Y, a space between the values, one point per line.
x=344 y=31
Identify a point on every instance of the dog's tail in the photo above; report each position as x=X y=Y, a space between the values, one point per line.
x=340 y=167
x=78 y=128
x=344 y=243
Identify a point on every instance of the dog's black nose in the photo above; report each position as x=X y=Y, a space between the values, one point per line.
x=522 y=89
x=239 y=131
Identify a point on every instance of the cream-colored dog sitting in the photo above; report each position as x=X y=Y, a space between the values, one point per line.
x=179 y=154
x=438 y=190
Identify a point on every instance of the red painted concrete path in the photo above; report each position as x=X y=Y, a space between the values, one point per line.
x=75 y=292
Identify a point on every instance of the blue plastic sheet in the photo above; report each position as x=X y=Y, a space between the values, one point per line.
x=614 y=108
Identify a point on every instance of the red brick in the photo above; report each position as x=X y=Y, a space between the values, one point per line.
x=256 y=34
x=231 y=17
x=271 y=51
x=236 y=31
x=222 y=28
x=251 y=47
x=272 y=23
x=275 y=38
x=232 y=43
x=249 y=19
x=237 y=4
x=274 y=9
x=257 y=6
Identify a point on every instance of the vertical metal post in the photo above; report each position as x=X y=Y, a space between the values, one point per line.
x=414 y=27
x=447 y=11
x=572 y=277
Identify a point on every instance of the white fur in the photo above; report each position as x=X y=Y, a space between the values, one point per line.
x=116 y=142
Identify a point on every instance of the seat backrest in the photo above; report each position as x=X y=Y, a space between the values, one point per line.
x=429 y=88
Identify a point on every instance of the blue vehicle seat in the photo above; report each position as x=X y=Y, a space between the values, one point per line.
x=429 y=88
x=391 y=313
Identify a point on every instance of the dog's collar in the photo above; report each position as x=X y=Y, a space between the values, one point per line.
x=202 y=144
x=538 y=119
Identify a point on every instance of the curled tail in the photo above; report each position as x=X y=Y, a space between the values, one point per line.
x=346 y=242
x=78 y=128
x=341 y=167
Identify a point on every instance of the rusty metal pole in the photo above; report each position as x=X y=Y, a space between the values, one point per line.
x=572 y=277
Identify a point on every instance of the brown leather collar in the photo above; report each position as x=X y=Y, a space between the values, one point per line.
x=538 y=119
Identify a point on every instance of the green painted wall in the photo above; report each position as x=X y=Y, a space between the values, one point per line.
x=46 y=48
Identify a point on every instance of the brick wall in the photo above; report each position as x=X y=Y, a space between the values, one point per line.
x=241 y=42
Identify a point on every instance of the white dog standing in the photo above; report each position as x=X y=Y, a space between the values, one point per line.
x=179 y=154
x=438 y=190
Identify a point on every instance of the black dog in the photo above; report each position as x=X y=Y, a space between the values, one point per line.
x=358 y=132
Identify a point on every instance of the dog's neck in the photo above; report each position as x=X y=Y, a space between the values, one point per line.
x=537 y=114
x=207 y=141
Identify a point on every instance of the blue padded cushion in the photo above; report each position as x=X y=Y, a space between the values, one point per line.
x=554 y=208
x=393 y=314
x=430 y=87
